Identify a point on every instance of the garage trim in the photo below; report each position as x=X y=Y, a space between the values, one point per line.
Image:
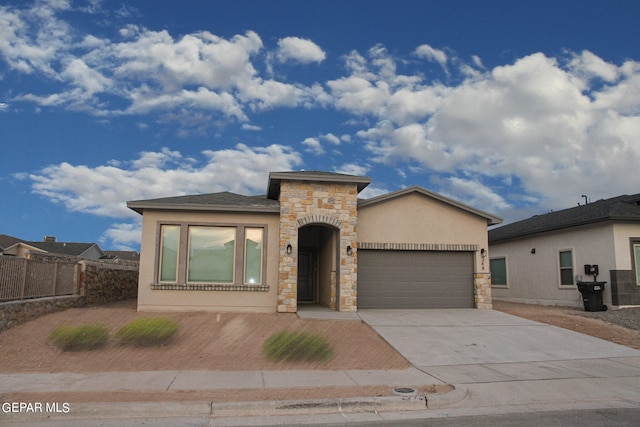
x=440 y=247
x=416 y=278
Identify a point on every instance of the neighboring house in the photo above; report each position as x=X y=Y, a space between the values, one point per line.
x=21 y=248
x=7 y=241
x=309 y=240
x=123 y=255
x=540 y=259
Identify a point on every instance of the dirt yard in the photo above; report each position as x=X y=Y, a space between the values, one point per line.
x=601 y=324
x=205 y=341
x=233 y=342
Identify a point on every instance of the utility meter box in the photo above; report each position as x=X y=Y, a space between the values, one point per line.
x=591 y=269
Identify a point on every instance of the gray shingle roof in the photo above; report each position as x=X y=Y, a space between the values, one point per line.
x=63 y=248
x=6 y=241
x=224 y=201
x=621 y=208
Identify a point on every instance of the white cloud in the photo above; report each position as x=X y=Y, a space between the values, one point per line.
x=432 y=54
x=149 y=71
x=536 y=120
x=352 y=169
x=313 y=146
x=123 y=236
x=247 y=126
x=474 y=193
x=104 y=190
x=299 y=50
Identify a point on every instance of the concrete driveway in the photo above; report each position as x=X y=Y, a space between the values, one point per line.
x=466 y=346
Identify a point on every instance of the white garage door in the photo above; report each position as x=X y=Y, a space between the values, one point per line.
x=415 y=279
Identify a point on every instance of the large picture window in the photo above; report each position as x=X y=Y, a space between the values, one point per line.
x=566 y=268
x=253 y=255
x=169 y=237
x=211 y=257
x=211 y=254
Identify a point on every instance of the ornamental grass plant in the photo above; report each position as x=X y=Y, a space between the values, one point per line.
x=77 y=338
x=286 y=346
x=147 y=332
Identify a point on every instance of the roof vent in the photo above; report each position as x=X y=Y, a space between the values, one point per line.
x=49 y=239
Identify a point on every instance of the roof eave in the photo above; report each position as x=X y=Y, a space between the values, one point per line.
x=527 y=233
x=139 y=207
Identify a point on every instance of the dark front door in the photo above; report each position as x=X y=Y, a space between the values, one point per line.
x=306 y=275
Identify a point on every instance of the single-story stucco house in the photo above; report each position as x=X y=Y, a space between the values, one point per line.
x=310 y=240
x=13 y=246
x=539 y=260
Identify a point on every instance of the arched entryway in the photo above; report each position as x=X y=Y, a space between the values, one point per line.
x=318 y=265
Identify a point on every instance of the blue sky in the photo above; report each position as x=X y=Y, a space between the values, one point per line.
x=513 y=107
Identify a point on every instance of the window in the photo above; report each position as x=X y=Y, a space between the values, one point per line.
x=566 y=268
x=253 y=255
x=211 y=254
x=636 y=260
x=169 y=236
x=211 y=257
x=498 y=267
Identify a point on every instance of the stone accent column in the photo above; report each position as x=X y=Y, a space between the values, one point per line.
x=332 y=204
x=482 y=290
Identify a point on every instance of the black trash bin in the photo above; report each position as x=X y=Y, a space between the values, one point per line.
x=592 y=295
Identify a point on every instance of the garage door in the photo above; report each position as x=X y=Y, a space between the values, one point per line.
x=415 y=279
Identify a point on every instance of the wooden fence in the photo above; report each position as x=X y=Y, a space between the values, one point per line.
x=22 y=278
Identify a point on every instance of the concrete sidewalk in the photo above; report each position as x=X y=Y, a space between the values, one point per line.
x=161 y=381
x=229 y=412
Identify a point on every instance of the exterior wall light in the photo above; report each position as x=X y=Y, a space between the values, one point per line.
x=483 y=252
x=289 y=249
x=349 y=250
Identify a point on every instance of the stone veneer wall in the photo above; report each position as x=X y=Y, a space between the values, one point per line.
x=15 y=312
x=482 y=290
x=331 y=204
x=101 y=282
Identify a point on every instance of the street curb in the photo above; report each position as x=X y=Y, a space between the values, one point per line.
x=208 y=409
x=442 y=400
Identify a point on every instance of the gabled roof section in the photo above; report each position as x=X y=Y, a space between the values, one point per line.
x=621 y=208
x=7 y=241
x=276 y=178
x=491 y=219
x=65 y=248
x=224 y=201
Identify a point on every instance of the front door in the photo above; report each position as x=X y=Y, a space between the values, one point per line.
x=307 y=259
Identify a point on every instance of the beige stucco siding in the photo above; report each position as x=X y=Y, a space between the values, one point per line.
x=416 y=218
x=622 y=235
x=534 y=277
x=173 y=300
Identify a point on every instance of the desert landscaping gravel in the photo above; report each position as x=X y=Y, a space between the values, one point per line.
x=625 y=317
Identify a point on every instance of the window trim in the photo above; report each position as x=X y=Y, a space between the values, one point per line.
x=506 y=272
x=560 y=268
x=160 y=258
x=262 y=255
x=635 y=260
x=183 y=254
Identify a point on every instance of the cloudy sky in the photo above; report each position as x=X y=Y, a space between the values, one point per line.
x=513 y=107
